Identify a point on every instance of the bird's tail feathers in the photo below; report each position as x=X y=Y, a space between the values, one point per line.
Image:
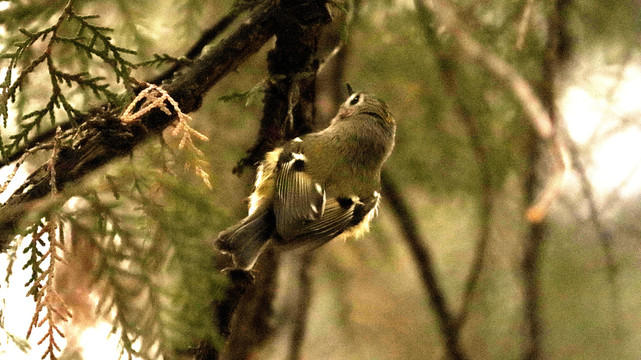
x=246 y=239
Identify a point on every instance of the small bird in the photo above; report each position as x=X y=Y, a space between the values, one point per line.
x=317 y=187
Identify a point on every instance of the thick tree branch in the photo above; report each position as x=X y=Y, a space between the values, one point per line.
x=425 y=265
x=251 y=310
x=289 y=98
x=102 y=137
x=288 y=112
x=206 y=38
x=530 y=266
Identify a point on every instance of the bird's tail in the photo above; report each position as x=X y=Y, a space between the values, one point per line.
x=246 y=239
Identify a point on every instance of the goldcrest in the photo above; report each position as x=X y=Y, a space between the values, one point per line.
x=317 y=187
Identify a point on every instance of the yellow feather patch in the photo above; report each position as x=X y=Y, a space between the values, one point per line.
x=363 y=227
x=265 y=180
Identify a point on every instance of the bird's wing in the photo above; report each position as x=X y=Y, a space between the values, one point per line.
x=298 y=197
x=341 y=217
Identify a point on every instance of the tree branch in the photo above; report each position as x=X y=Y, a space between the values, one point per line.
x=251 y=310
x=524 y=24
x=206 y=37
x=485 y=206
x=530 y=262
x=288 y=112
x=496 y=66
x=424 y=263
x=447 y=68
x=102 y=137
x=556 y=50
x=604 y=234
x=290 y=94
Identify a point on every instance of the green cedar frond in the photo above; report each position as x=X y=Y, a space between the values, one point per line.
x=88 y=39
x=249 y=96
x=163 y=59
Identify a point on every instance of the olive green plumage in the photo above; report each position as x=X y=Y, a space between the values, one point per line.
x=317 y=187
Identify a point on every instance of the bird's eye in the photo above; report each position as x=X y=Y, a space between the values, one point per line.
x=355 y=99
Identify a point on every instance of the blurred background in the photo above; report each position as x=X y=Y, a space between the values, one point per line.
x=482 y=282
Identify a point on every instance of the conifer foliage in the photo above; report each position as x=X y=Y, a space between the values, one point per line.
x=148 y=258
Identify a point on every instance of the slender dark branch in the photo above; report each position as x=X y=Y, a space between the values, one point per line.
x=447 y=68
x=303 y=304
x=533 y=243
x=205 y=39
x=556 y=51
x=485 y=207
x=425 y=265
x=603 y=233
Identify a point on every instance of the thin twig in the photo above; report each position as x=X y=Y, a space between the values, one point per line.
x=524 y=24
x=496 y=66
x=602 y=134
x=615 y=195
x=206 y=38
x=506 y=74
x=425 y=266
x=604 y=234
x=21 y=160
x=598 y=134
